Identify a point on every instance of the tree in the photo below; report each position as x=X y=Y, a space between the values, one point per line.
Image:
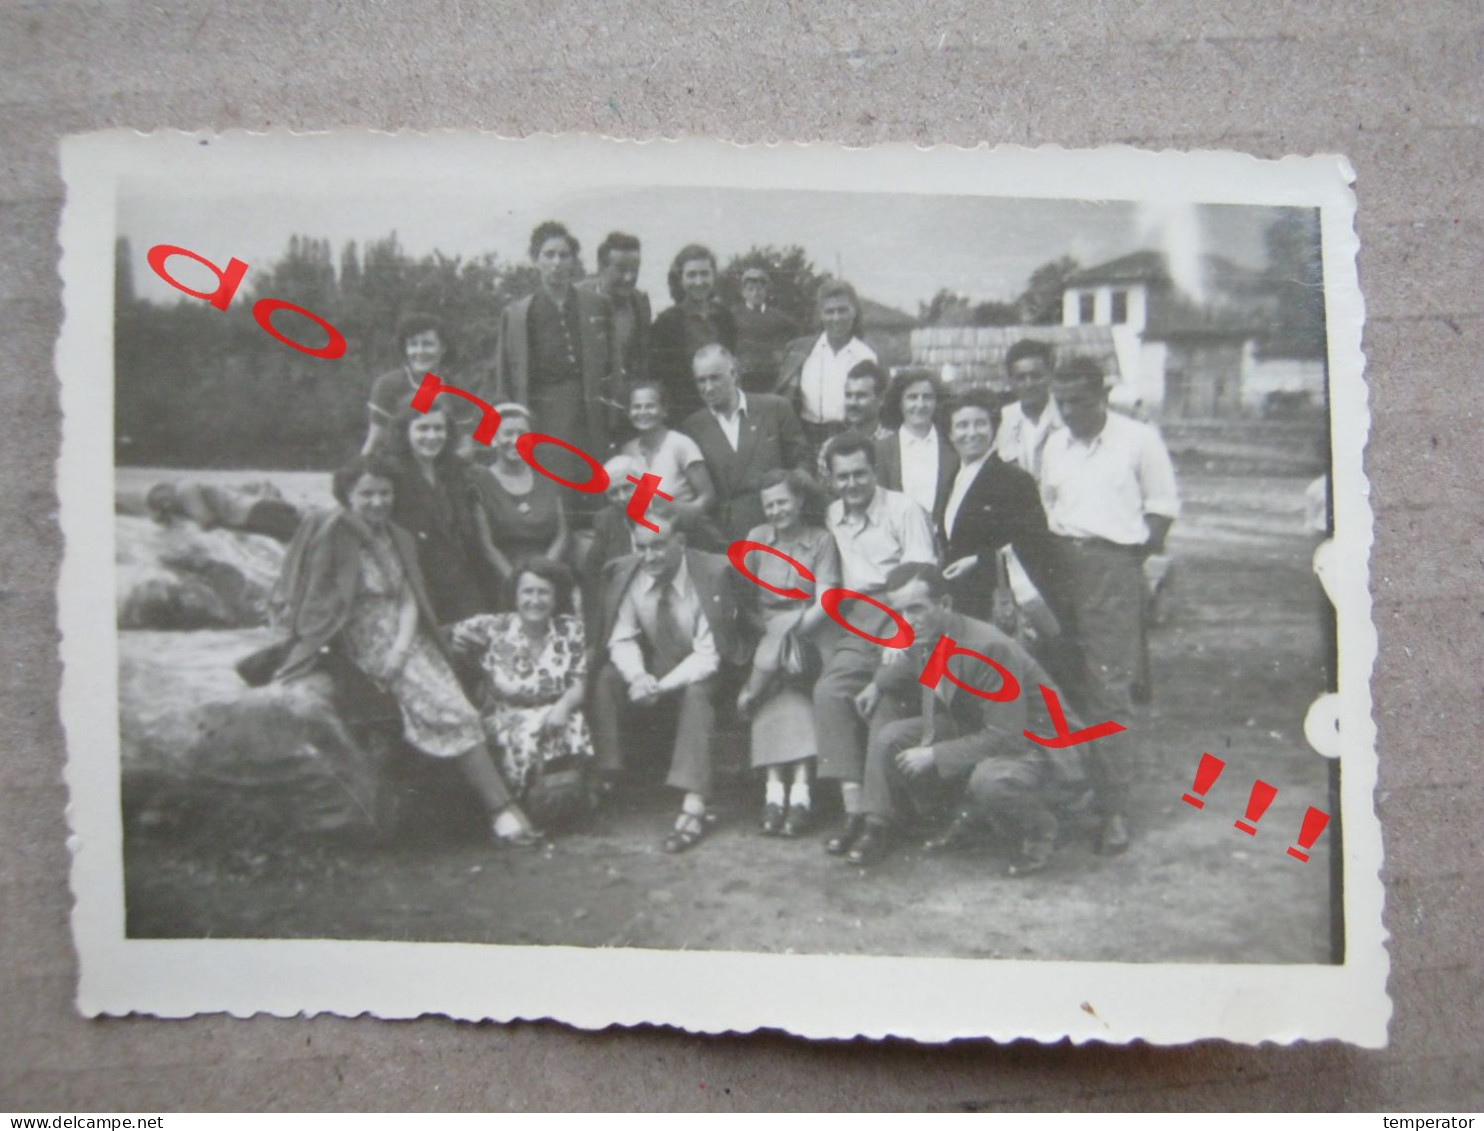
x=1040 y=302
x=199 y=387
x=991 y=313
x=793 y=280
x=1295 y=272
x=946 y=308
x=350 y=271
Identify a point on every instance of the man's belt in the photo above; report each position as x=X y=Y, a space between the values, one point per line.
x=1090 y=543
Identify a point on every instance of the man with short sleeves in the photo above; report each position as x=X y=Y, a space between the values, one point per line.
x=1110 y=494
x=671 y=618
x=875 y=530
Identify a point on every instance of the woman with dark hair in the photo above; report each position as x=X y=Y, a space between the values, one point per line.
x=777 y=692
x=814 y=368
x=352 y=582
x=672 y=455
x=432 y=504
x=517 y=513
x=425 y=348
x=916 y=459
x=535 y=661
x=697 y=319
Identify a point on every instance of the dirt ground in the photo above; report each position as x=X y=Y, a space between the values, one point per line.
x=1236 y=665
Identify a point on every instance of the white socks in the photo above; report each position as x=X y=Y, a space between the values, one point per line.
x=850 y=796
x=775 y=794
x=798 y=794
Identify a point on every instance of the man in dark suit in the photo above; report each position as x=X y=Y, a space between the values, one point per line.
x=947 y=723
x=763 y=332
x=742 y=436
x=991 y=504
x=671 y=618
x=556 y=356
x=618 y=273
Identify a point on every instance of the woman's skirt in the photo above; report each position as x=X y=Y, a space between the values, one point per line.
x=783 y=722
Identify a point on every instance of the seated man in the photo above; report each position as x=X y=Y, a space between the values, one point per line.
x=948 y=743
x=671 y=618
x=874 y=530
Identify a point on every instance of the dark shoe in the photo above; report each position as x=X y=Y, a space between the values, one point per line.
x=772 y=819
x=1114 y=837
x=839 y=844
x=686 y=835
x=955 y=835
x=1035 y=855
x=873 y=847
x=797 y=823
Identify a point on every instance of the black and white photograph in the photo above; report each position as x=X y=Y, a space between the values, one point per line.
x=887 y=592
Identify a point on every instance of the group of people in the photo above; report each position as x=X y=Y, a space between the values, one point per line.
x=543 y=637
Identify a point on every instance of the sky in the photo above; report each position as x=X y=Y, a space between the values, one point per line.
x=897 y=248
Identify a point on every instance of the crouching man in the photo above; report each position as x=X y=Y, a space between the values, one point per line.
x=958 y=745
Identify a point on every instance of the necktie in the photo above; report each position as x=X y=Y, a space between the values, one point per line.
x=671 y=642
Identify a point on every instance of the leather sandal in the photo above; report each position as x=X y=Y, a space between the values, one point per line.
x=796 y=824
x=688 y=832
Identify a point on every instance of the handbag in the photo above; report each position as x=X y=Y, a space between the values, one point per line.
x=800 y=658
x=558 y=793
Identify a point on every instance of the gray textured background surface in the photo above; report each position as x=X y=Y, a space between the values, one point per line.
x=1395 y=87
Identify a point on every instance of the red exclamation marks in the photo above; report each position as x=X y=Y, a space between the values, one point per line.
x=1315 y=821
x=1257 y=805
x=1205 y=777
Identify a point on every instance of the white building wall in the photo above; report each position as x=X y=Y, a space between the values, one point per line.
x=1281 y=375
x=1141 y=365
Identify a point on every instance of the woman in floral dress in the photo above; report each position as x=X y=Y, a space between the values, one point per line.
x=535 y=661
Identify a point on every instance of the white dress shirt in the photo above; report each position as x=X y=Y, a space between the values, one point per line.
x=893 y=529
x=919 y=467
x=638 y=616
x=822 y=382
x=1103 y=487
x=731 y=423
x=967 y=473
x=1021 y=440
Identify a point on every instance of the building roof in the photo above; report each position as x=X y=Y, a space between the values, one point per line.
x=1220 y=273
x=1138 y=267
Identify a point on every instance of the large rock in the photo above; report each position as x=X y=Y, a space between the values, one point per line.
x=204 y=753
x=180 y=576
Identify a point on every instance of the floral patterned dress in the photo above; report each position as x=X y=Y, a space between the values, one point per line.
x=524 y=681
x=437 y=716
